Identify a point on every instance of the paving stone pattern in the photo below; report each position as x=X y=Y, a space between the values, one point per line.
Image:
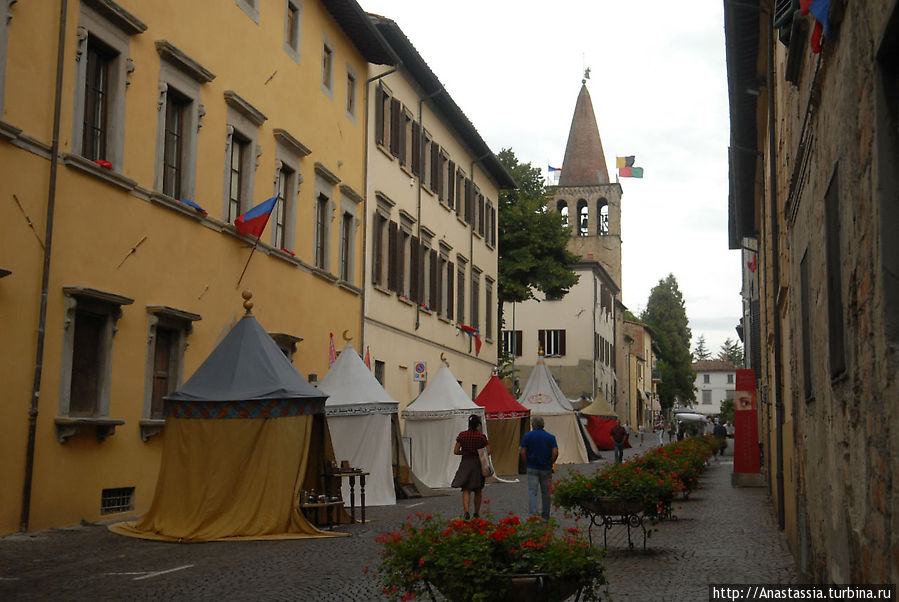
x=721 y=535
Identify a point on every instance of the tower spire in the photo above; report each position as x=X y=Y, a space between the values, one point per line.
x=585 y=162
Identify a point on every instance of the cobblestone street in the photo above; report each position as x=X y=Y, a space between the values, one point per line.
x=721 y=535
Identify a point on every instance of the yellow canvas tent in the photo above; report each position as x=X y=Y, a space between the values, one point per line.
x=243 y=436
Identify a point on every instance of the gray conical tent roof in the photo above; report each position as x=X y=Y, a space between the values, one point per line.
x=246 y=365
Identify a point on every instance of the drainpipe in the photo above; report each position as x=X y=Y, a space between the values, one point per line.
x=365 y=201
x=45 y=275
x=421 y=169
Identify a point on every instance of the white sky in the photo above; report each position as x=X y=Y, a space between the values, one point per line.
x=658 y=83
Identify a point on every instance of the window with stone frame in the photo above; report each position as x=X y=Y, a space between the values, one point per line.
x=327 y=67
x=167 y=333
x=87 y=351
x=461 y=264
x=475 y=310
x=346 y=246
x=286 y=178
x=352 y=86
x=551 y=342
x=237 y=162
x=102 y=69
x=292 y=30
x=322 y=234
x=289 y=152
x=241 y=151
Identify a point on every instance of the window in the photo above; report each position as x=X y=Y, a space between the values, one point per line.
x=448 y=294
x=346 y=247
x=379 y=371
x=706 y=398
x=551 y=342
x=512 y=342
x=480 y=210
x=288 y=153
x=327 y=67
x=705 y=379
x=101 y=73
x=583 y=221
x=603 y=212
x=489 y=309
x=475 y=298
x=285 y=182
x=460 y=293
x=379 y=249
x=236 y=186
x=491 y=224
x=562 y=208
x=450 y=184
x=396 y=114
x=173 y=151
x=292 y=29
x=251 y=7
x=405 y=141
x=382 y=116
x=119 y=499
x=321 y=231
x=834 y=278
x=805 y=308
x=351 y=93
x=89 y=329
x=167 y=332
x=730 y=379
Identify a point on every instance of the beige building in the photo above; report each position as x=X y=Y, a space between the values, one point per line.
x=715 y=382
x=642 y=402
x=814 y=150
x=431 y=248
x=131 y=138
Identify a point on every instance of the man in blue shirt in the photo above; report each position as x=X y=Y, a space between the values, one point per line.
x=539 y=450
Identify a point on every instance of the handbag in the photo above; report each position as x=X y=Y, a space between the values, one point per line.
x=486 y=465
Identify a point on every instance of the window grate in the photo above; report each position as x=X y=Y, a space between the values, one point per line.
x=120 y=499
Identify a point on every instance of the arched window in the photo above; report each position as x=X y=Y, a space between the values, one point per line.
x=583 y=221
x=562 y=207
x=602 y=206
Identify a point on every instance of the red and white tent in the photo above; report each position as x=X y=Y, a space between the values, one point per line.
x=507 y=421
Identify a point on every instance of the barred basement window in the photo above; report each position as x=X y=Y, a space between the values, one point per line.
x=120 y=499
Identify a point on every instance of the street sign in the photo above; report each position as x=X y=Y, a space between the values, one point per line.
x=420 y=372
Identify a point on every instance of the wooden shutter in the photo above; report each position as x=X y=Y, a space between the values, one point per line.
x=416 y=148
x=561 y=342
x=541 y=341
x=395 y=126
x=433 y=299
x=450 y=271
x=379 y=115
x=414 y=269
x=401 y=262
x=519 y=342
x=391 y=256
x=481 y=214
x=435 y=168
x=451 y=185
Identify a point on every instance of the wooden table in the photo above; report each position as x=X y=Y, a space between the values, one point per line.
x=330 y=511
x=351 y=475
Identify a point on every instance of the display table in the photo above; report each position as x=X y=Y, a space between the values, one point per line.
x=351 y=475
x=311 y=511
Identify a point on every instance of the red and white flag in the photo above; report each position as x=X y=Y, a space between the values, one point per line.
x=332 y=353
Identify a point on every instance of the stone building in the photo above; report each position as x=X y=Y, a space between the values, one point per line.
x=131 y=138
x=814 y=149
x=581 y=333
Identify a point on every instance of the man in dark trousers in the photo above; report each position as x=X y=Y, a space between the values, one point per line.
x=619 y=434
x=540 y=450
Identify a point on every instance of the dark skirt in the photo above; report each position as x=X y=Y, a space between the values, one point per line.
x=469 y=477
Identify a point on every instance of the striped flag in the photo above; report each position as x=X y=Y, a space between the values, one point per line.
x=626 y=167
x=332 y=353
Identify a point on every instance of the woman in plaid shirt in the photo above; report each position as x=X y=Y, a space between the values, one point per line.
x=469 y=478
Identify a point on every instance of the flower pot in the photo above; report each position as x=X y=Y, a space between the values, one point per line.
x=538 y=588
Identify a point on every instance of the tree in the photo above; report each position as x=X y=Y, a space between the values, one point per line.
x=533 y=242
x=628 y=315
x=666 y=314
x=701 y=352
x=732 y=352
x=727 y=411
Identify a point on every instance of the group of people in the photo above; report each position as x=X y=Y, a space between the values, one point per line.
x=539 y=450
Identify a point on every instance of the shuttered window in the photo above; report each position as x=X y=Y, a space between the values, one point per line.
x=396 y=109
x=391 y=257
x=416 y=149
x=450 y=270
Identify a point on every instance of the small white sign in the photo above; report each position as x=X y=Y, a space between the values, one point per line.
x=420 y=372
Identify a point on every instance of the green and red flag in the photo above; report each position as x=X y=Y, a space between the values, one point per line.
x=626 y=167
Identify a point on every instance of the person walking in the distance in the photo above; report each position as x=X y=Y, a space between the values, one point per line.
x=469 y=477
x=619 y=434
x=539 y=450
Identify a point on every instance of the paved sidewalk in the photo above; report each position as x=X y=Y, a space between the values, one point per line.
x=722 y=535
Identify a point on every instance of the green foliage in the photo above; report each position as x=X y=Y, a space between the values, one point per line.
x=666 y=314
x=628 y=315
x=467 y=559
x=533 y=242
x=701 y=352
x=727 y=411
x=732 y=351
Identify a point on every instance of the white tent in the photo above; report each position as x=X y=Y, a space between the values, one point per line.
x=543 y=397
x=360 y=413
x=433 y=421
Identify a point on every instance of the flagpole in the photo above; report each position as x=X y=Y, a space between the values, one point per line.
x=253 y=250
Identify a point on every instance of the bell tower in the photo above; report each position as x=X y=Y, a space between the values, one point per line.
x=592 y=203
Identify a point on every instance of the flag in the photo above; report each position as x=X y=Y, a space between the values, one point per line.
x=820 y=9
x=253 y=221
x=367 y=358
x=472 y=332
x=624 y=161
x=194 y=205
x=551 y=169
x=630 y=172
x=332 y=353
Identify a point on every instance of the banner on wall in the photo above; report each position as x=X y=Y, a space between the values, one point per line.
x=746 y=424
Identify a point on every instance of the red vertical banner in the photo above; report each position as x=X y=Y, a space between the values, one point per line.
x=746 y=424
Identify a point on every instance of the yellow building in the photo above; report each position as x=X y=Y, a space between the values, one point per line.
x=642 y=400
x=118 y=124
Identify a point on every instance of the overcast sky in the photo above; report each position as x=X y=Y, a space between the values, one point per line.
x=659 y=88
